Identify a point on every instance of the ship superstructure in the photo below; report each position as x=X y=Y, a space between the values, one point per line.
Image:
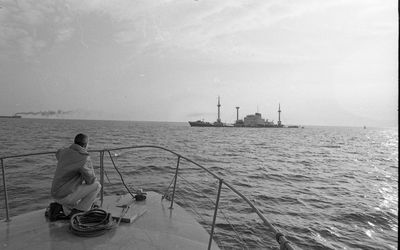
x=254 y=120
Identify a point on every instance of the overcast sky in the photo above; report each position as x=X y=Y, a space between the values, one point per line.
x=330 y=62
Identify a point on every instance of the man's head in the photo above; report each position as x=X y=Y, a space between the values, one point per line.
x=82 y=140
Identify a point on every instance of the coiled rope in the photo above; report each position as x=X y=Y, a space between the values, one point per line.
x=92 y=223
x=96 y=222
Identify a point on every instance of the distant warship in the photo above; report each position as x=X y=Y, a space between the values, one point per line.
x=250 y=121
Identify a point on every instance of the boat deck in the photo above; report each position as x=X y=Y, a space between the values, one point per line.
x=153 y=226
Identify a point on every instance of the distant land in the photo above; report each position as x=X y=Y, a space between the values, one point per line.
x=45 y=113
x=56 y=114
x=10 y=116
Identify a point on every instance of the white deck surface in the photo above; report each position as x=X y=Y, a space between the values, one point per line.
x=158 y=228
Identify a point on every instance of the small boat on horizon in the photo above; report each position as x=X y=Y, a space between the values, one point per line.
x=250 y=121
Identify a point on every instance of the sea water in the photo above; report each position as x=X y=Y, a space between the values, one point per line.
x=323 y=187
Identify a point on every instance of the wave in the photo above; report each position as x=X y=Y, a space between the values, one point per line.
x=331 y=146
x=315 y=185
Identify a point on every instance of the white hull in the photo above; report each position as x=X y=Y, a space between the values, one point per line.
x=159 y=227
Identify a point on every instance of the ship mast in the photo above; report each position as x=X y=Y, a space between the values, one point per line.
x=279 y=115
x=219 y=105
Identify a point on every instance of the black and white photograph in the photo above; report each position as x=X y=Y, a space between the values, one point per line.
x=199 y=124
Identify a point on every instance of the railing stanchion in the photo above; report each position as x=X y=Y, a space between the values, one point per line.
x=5 y=190
x=101 y=176
x=176 y=177
x=215 y=214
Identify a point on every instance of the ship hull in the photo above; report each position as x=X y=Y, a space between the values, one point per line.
x=201 y=124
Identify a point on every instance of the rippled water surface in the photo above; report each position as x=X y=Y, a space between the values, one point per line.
x=323 y=187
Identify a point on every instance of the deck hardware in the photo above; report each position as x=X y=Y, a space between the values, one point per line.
x=101 y=177
x=215 y=213
x=176 y=177
x=5 y=190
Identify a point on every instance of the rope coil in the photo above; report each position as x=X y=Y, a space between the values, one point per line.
x=94 y=222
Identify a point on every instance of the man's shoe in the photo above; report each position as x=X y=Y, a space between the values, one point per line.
x=55 y=212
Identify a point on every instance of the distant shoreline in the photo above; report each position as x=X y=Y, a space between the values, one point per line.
x=10 y=116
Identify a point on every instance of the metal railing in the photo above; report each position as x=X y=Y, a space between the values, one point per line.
x=281 y=239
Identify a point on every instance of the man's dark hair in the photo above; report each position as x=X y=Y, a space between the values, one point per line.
x=81 y=140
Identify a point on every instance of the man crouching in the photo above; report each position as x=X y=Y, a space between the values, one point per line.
x=74 y=184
